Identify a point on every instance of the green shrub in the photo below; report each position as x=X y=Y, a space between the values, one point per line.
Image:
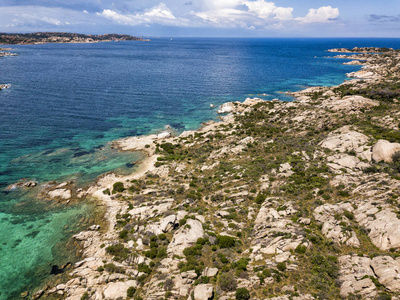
x=182 y=222
x=223 y=258
x=242 y=263
x=162 y=252
x=85 y=296
x=267 y=272
x=131 y=292
x=225 y=241
x=227 y=282
x=107 y=191
x=123 y=234
x=242 y=294
x=100 y=269
x=383 y=296
x=118 y=187
x=144 y=268
x=260 y=198
x=111 y=268
x=348 y=215
x=119 y=251
x=301 y=249
x=281 y=266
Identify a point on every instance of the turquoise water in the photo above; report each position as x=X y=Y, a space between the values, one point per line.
x=68 y=101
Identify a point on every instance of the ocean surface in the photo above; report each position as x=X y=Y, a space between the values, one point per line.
x=68 y=101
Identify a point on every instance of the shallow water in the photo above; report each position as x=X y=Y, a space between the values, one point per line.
x=68 y=101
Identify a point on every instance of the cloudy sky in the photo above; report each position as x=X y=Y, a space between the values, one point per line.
x=208 y=18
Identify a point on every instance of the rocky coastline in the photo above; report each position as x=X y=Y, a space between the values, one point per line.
x=278 y=200
x=62 y=37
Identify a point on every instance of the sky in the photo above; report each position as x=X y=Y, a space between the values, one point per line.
x=205 y=18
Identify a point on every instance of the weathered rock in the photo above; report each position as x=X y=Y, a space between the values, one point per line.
x=384 y=226
x=94 y=227
x=388 y=272
x=203 y=292
x=164 y=135
x=384 y=150
x=38 y=294
x=85 y=235
x=60 y=193
x=362 y=74
x=168 y=223
x=226 y=108
x=332 y=226
x=210 y=272
x=305 y=221
x=186 y=236
x=350 y=104
x=116 y=290
x=145 y=212
x=344 y=139
x=339 y=161
x=354 y=274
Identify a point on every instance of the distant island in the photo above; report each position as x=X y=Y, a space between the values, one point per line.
x=62 y=37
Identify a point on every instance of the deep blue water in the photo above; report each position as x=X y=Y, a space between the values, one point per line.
x=67 y=101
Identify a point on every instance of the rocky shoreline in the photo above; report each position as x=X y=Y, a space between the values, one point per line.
x=280 y=200
x=62 y=37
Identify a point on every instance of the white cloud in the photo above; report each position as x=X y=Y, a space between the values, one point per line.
x=254 y=15
x=220 y=4
x=268 y=10
x=245 y=14
x=284 y=13
x=323 y=14
x=33 y=17
x=159 y=14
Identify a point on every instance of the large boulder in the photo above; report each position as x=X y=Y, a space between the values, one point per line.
x=168 y=223
x=186 y=236
x=203 y=292
x=384 y=150
x=117 y=290
x=344 y=139
x=350 y=104
x=226 y=108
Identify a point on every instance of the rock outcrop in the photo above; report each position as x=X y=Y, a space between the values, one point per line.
x=384 y=150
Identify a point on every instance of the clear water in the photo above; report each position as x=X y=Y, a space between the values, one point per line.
x=67 y=101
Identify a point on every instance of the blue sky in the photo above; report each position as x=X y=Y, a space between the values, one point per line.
x=208 y=18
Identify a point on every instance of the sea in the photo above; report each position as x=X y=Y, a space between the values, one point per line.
x=67 y=102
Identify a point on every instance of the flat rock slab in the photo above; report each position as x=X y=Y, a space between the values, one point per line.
x=203 y=292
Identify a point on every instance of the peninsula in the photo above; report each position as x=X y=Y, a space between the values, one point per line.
x=280 y=200
x=62 y=37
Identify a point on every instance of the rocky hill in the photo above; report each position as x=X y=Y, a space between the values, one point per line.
x=279 y=200
x=62 y=37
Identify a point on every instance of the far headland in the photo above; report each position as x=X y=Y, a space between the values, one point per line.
x=62 y=37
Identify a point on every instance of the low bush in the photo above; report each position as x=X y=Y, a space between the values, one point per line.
x=242 y=294
x=118 y=187
x=227 y=282
x=131 y=292
x=225 y=241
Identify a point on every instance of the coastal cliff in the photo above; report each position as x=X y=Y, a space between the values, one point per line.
x=280 y=200
x=62 y=37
